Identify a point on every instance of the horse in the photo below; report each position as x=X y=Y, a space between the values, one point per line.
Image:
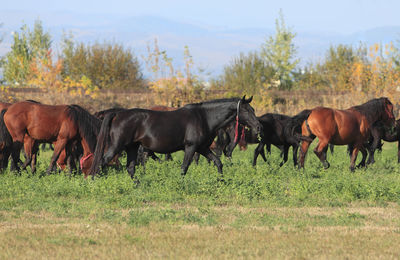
x=279 y=130
x=191 y=128
x=340 y=127
x=380 y=132
x=31 y=123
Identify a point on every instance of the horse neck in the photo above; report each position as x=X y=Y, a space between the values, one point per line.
x=218 y=115
x=86 y=147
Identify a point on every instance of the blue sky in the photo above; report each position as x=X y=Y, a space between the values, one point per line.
x=215 y=31
x=343 y=16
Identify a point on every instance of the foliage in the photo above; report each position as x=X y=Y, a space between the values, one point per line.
x=107 y=65
x=173 y=87
x=28 y=46
x=246 y=74
x=280 y=51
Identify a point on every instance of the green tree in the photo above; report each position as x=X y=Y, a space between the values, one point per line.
x=339 y=61
x=107 y=65
x=246 y=74
x=27 y=46
x=280 y=51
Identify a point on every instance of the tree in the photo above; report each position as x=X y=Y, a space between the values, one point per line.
x=107 y=65
x=339 y=64
x=246 y=74
x=280 y=51
x=27 y=47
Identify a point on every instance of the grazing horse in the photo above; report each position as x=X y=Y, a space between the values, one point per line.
x=279 y=130
x=31 y=123
x=340 y=127
x=191 y=128
x=380 y=132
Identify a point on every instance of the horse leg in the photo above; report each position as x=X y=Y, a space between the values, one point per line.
x=354 y=157
x=196 y=158
x=376 y=139
x=257 y=151
x=187 y=158
x=35 y=151
x=15 y=155
x=364 y=157
x=58 y=147
x=262 y=153
x=168 y=157
x=110 y=154
x=229 y=148
x=321 y=150
x=398 y=151
x=132 y=152
x=154 y=156
x=303 y=151
x=331 y=148
x=285 y=155
x=28 y=147
x=211 y=156
x=268 y=147
x=295 y=149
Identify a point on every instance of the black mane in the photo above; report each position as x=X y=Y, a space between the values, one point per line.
x=89 y=125
x=372 y=109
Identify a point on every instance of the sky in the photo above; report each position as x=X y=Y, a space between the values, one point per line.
x=216 y=31
x=341 y=16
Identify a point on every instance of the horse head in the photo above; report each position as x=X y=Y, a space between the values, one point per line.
x=388 y=117
x=247 y=116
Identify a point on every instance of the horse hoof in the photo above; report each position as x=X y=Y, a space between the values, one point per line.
x=326 y=165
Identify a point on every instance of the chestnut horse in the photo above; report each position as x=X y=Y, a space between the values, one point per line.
x=341 y=127
x=31 y=123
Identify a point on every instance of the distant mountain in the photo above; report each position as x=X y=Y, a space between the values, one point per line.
x=212 y=48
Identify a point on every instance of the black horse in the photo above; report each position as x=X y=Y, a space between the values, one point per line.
x=279 y=130
x=191 y=128
x=380 y=132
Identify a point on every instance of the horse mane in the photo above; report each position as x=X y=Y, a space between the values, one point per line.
x=214 y=101
x=102 y=113
x=371 y=109
x=33 y=101
x=88 y=124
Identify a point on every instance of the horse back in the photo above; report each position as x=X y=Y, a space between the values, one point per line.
x=336 y=126
x=41 y=122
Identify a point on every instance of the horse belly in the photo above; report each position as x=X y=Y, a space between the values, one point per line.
x=344 y=137
x=163 y=144
x=42 y=134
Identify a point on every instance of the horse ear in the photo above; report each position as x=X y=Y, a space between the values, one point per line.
x=249 y=100
x=243 y=99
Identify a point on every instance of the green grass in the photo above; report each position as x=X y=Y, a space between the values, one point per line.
x=55 y=213
x=263 y=186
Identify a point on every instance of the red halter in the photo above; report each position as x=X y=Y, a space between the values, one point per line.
x=237 y=126
x=83 y=159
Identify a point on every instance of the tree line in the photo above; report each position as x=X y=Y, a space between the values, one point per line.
x=82 y=68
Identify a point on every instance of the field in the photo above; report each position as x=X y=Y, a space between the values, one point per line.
x=262 y=212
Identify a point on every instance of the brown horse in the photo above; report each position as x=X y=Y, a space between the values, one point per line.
x=341 y=127
x=31 y=123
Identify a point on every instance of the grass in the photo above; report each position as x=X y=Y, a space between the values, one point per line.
x=261 y=212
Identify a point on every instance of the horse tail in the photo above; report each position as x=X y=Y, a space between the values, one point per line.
x=102 y=140
x=88 y=125
x=294 y=127
x=5 y=140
